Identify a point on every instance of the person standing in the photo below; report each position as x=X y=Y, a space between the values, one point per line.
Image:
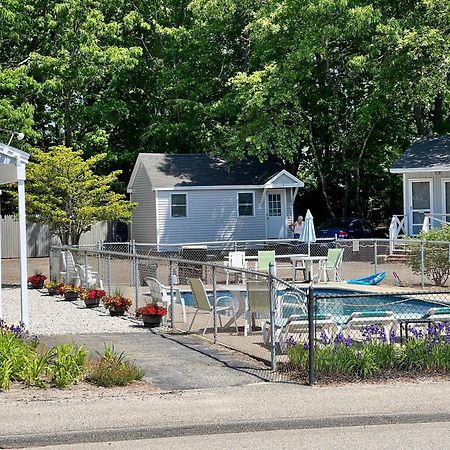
x=297 y=227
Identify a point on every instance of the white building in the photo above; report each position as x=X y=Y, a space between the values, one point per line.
x=201 y=198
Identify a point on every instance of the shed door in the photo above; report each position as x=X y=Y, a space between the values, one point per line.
x=276 y=213
x=420 y=203
x=446 y=210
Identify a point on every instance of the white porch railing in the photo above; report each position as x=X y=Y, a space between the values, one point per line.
x=398 y=227
x=430 y=218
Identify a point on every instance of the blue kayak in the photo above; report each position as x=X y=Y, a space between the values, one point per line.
x=370 y=280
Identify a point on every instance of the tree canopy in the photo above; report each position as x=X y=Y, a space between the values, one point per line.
x=64 y=193
x=335 y=88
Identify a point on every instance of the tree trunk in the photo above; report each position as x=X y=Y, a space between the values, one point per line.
x=438 y=116
x=320 y=172
x=418 y=118
x=67 y=125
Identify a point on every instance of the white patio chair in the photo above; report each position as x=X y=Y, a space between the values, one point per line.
x=236 y=260
x=297 y=326
x=69 y=272
x=161 y=294
x=88 y=278
x=383 y=319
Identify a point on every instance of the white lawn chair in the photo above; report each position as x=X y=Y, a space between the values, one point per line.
x=161 y=294
x=204 y=304
x=438 y=314
x=237 y=261
x=88 y=278
x=297 y=326
x=382 y=319
x=69 y=271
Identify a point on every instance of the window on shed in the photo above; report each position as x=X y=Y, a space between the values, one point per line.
x=246 y=203
x=178 y=206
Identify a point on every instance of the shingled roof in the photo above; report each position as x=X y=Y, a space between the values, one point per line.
x=427 y=154
x=172 y=170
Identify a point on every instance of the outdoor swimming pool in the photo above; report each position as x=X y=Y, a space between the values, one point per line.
x=342 y=303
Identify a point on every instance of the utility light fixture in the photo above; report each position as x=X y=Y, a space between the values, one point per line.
x=19 y=136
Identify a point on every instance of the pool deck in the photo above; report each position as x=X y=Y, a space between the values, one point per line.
x=252 y=344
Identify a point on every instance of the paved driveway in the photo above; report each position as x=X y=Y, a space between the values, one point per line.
x=175 y=362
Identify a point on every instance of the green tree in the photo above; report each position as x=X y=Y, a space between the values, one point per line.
x=64 y=193
x=430 y=256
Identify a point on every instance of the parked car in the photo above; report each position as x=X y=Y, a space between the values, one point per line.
x=347 y=229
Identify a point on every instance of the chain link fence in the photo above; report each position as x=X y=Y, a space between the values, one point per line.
x=406 y=262
x=261 y=312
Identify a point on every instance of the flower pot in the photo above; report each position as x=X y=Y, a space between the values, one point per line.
x=37 y=286
x=151 y=321
x=91 y=302
x=52 y=291
x=117 y=312
x=71 y=295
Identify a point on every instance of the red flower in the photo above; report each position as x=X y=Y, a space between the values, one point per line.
x=39 y=278
x=151 y=310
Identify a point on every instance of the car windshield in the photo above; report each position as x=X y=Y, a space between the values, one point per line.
x=334 y=223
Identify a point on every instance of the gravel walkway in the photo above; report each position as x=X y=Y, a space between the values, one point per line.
x=54 y=315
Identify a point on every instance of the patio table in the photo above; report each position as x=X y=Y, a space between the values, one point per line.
x=309 y=263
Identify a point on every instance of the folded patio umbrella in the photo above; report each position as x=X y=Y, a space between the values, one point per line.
x=308 y=234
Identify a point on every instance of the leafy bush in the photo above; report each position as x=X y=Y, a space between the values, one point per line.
x=435 y=256
x=14 y=353
x=61 y=366
x=114 y=370
x=67 y=366
x=425 y=350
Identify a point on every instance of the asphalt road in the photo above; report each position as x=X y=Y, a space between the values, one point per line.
x=268 y=413
x=390 y=437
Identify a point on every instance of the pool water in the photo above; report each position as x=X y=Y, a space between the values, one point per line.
x=342 y=303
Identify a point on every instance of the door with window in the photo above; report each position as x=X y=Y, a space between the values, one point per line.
x=275 y=213
x=420 y=195
x=446 y=200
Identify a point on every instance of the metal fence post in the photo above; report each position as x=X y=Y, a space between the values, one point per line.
x=422 y=265
x=311 y=333
x=273 y=356
x=172 y=297
x=84 y=281
x=109 y=276
x=375 y=256
x=133 y=252
x=214 y=284
x=136 y=280
x=99 y=256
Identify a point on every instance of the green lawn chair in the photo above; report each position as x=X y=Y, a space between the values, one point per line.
x=265 y=257
x=332 y=264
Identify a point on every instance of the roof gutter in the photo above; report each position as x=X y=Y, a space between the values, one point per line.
x=420 y=169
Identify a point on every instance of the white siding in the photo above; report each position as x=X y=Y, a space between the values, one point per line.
x=143 y=228
x=212 y=215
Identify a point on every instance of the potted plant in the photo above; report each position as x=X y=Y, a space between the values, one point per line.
x=151 y=315
x=70 y=291
x=117 y=304
x=36 y=281
x=92 y=297
x=54 y=287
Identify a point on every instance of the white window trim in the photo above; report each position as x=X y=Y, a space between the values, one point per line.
x=253 y=202
x=444 y=199
x=187 y=208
